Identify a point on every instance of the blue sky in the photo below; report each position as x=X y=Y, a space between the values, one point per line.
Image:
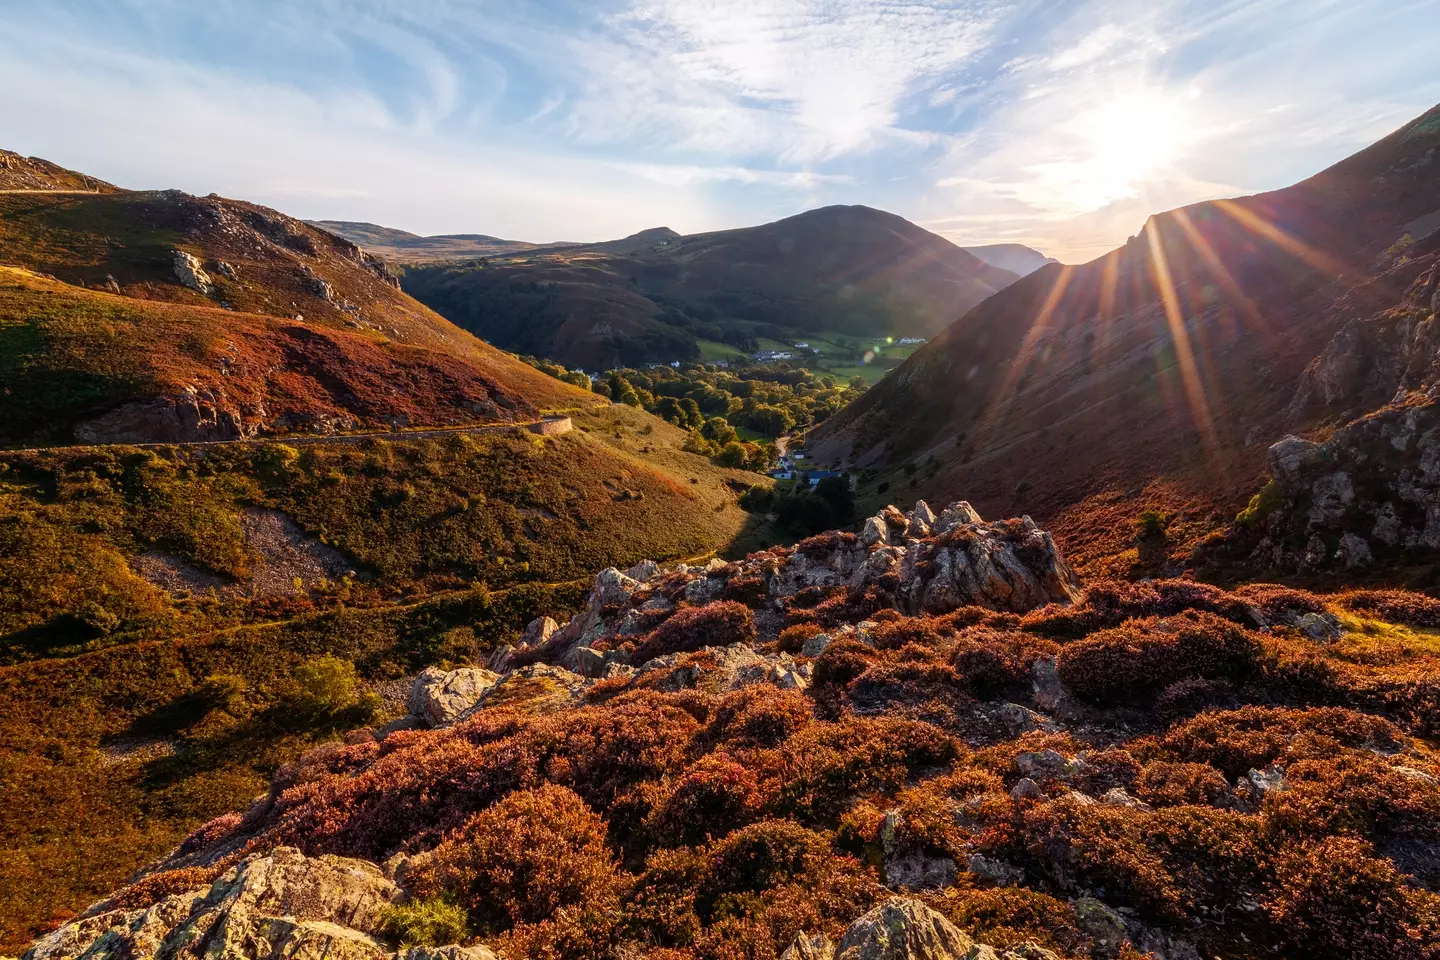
x=1058 y=123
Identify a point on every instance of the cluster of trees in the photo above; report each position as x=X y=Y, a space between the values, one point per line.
x=805 y=510
x=715 y=404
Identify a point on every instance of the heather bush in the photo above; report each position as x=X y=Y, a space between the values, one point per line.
x=1143 y=656
x=993 y=661
x=1011 y=916
x=759 y=716
x=1337 y=899
x=814 y=774
x=1163 y=784
x=1354 y=792
x=1236 y=741
x=534 y=855
x=150 y=890
x=793 y=637
x=841 y=662
x=690 y=628
x=712 y=797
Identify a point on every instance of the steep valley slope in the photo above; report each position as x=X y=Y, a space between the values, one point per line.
x=1157 y=375
x=652 y=297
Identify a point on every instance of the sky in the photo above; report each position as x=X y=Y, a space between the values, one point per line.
x=1062 y=124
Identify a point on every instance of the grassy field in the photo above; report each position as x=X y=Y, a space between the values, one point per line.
x=712 y=350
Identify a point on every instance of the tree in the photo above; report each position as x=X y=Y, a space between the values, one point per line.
x=717 y=431
x=769 y=420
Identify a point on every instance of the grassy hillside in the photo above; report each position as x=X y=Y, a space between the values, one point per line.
x=138 y=595
x=284 y=327
x=656 y=296
x=33 y=173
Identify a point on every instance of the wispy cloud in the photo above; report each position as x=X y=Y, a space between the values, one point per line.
x=1062 y=123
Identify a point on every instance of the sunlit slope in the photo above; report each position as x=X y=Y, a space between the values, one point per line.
x=1175 y=355
x=270 y=325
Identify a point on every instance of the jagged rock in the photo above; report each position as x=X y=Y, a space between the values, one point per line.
x=586 y=661
x=1354 y=551
x=1261 y=782
x=810 y=946
x=438 y=697
x=903 y=929
x=226 y=270
x=998 y=872
x=538 y=686
x=875 y=531
x=1018 y=719
x=190 y=272
x=643 y=570
x=956 y=515
x=537 y=631
x=1044 y=764
x=277 y=905
x=815 y=645
x=1320 y=627
x=1026 y=789
x=914 y=870
x=192 y=415
x=1119 y=797
x=1103 y=925
x=1290 y=457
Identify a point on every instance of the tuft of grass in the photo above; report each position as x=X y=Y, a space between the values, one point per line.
x=426 y=922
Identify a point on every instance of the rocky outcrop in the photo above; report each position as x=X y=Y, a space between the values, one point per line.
x=919 y=562
x=1369 y=493
x=190 y=272
x=904 y=929
x=194 y=414
x=439 y=696
x=280 y=906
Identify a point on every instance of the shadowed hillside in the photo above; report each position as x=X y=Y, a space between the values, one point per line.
x=656 y=295
x=1170 y=361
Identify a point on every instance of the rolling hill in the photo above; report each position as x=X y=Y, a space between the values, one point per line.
x=655 y=296
x=1159 y=373
x=131 y=316
x=33 y=173
x=398 y=246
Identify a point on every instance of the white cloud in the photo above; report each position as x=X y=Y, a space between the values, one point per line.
x=797 y=80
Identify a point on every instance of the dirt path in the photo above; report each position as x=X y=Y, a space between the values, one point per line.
x=304 y=439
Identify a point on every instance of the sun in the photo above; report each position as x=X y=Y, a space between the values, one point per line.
x=1117 y=146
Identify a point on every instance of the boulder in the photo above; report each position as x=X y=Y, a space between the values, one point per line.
x=438 y=696
x=903 y=929
x=190 y=272
x=810 y=946
x=537 y=631
x=277 y=905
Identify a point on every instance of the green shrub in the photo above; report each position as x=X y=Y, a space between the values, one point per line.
x=426 y=922
x=324 y=686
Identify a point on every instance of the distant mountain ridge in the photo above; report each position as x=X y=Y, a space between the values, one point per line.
x=654 y=296
x=402 y=247
x=1015 y=257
